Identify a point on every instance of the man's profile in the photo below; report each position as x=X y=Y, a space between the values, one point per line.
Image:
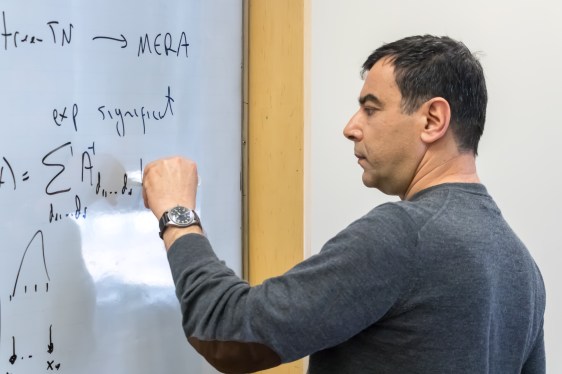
x=435 y=283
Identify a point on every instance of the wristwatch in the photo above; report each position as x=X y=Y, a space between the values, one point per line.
x=178 y=216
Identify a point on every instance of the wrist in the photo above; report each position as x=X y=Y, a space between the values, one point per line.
x=178 y=216
x=174 y=233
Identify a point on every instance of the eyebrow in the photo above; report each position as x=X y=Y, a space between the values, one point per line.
x=372 y=98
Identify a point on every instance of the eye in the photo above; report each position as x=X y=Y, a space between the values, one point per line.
x=369 y=111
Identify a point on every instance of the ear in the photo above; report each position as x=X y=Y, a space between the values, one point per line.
x=438 y=116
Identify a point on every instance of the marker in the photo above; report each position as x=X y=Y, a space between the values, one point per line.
x=136 y=182
x=134 y=179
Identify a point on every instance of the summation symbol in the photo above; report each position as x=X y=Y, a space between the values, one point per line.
x=39 y=236
x=61 y=167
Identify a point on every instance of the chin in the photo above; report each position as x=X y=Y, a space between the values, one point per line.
x=385 y=189
x=369 y=182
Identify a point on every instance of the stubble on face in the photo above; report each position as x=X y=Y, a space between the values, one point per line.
x=390 y=148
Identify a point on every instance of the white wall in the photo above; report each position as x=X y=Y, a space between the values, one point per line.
x=521 y=51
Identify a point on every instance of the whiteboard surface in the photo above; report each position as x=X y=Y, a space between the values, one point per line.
x=90 y=93
x=520 y=45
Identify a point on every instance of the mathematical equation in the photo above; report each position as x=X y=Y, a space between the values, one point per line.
x=91 y=93
x=64 y=159
x=51 y=188
x=55 y=33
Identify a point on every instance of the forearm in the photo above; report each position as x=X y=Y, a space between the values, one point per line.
x=174 y=233
x=293 y=315
x=213 y=301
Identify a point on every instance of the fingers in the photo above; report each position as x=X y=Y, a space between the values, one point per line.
x=169 y=182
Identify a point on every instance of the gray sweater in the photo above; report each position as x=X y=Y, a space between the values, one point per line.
x=436 y=284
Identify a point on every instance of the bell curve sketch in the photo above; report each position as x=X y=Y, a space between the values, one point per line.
x=37 y=246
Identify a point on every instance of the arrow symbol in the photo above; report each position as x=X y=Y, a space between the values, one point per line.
x=51 y=345
x=122 y=40
x=14 y=356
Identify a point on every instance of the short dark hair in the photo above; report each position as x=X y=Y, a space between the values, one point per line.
x=430 y=66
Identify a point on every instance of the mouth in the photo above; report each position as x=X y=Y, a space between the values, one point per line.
x=360 y=160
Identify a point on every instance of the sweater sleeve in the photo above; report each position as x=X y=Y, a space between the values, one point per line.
x=536 y=363
x=355 y=280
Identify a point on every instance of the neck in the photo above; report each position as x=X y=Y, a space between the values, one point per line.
x=452 y=167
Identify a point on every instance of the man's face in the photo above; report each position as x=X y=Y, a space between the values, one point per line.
x=387 y=141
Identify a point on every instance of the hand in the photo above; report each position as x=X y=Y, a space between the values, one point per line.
x=169 y=182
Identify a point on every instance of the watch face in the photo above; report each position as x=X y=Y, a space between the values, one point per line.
x=181 y=215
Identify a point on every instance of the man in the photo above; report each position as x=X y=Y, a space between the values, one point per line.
x=435 y=283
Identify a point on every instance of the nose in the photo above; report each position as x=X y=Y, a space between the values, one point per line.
x=352 y=130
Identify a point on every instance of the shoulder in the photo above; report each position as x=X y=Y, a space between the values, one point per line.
x=386 y=229
x=392 y=218
x=399 y=223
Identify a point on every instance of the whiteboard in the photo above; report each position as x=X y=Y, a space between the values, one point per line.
x=90 y=93
x=520 y=48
